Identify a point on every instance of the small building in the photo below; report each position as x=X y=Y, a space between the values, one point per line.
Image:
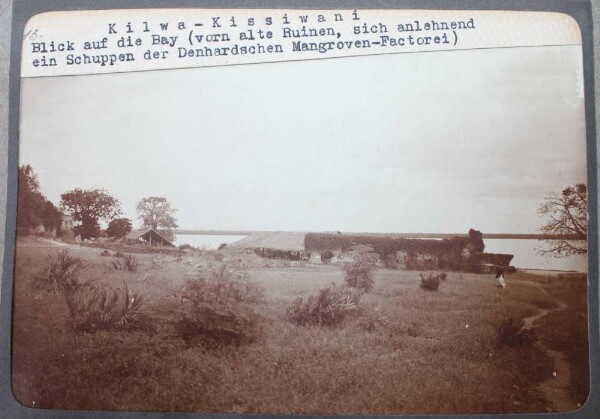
x=148 y=237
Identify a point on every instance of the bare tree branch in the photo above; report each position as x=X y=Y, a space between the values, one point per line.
x=566 y=216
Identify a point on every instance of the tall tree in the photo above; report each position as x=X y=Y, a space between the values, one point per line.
x=33 y=209
x=566 y=224
x=30 y=201
x=118 y=227
x=157 y=213
x=89 y=207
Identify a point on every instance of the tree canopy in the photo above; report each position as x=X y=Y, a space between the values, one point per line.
x=566 y=224
x=33 y=208
x=89 y=207
x=118 y=227
x=157 y=213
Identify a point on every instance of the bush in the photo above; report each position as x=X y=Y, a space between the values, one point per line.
x=430 y=282
x=216 y=308
x=186 y=246
x=359 y=273
x=95 y=309
x=119 y=254
x=129 y=263
x=90 y=308
x=326 y=256
x=222 y=246
x=105 y=253
x=63 y=273
x=327 y=308
x=512 y=333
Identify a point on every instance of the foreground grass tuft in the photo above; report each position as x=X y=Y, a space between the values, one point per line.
x=329 y=307
x=511 y=333
x=431 y=282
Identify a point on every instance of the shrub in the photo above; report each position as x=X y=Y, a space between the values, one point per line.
x=105 y=253
x=430 y=282
x=216 y=308
x=222 y=246
x=119 y=254
x=359 y=273
x=63 y=273
x=512 y=333
x=186 y=246
x=328 y=307
x=129 y=263
x=90 y=308
x=95 y=309
x=443 y=276
x=326 y=256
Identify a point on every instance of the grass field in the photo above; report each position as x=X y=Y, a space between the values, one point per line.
x=407 y=351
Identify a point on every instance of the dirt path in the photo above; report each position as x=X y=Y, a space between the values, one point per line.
x=555 y=389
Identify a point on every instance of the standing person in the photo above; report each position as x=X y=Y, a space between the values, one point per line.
x=500 y=278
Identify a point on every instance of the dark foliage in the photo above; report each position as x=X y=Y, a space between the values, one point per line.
x=270 y=253
x=216 y=309
x=329 y=307
x=431 y=282
x=326 y=256
x=445 y=250
x=33 y=208
x=88 y=207
x=476 y=244
x=119 y=227
x=92 y=308
x=513 y=334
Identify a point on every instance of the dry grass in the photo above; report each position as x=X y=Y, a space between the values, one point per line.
x=411 y=351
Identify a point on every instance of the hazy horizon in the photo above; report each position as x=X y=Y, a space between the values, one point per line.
x=409 y=143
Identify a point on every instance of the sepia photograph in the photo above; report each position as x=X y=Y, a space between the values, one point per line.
x=370 y=235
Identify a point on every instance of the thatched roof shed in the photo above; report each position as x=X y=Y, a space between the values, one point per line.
x=147 y=236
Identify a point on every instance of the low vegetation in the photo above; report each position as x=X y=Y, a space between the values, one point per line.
x=120 y=309
x=215 y=308
x=432 y=282
x=91 y=307
x=328 y=307
x=359 y=272
x=241 y=335
x=512 y=333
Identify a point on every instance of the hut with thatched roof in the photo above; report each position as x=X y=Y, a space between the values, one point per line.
x=148 y=237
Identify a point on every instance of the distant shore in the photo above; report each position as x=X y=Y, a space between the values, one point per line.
x=523 y=236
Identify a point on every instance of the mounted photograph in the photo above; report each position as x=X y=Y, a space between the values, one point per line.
x=379 y=234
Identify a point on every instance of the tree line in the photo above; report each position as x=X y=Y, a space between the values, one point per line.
x=565 y=213
x=88 y=208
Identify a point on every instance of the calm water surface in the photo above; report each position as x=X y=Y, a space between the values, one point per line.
x=526 y=256
x=205 y=241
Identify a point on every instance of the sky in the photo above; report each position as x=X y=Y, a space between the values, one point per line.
x=435 y=142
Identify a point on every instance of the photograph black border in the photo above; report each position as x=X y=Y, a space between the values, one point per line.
x=23 y=10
